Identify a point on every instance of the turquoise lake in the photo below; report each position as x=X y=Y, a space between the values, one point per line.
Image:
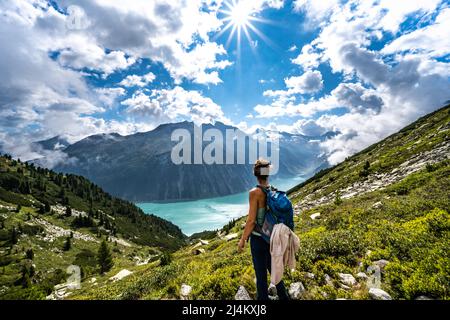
x=208 y=214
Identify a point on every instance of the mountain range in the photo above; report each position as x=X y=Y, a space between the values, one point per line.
x=138 y=167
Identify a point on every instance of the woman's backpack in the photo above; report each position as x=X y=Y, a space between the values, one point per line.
x=278 y=210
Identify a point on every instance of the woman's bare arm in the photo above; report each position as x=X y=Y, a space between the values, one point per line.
x=251 y=218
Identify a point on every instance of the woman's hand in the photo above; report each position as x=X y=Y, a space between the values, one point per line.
x=241 y=245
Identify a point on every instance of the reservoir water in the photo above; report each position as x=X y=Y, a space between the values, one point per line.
x=208 y=214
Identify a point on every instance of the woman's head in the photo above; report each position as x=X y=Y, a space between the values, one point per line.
x=261 y=169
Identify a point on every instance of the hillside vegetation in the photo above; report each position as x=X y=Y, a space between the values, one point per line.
x=49 y=221
x=385 y=209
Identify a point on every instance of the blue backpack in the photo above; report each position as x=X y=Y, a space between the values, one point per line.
x=278 y=210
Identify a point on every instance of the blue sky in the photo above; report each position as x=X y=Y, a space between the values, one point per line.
x=361 y=68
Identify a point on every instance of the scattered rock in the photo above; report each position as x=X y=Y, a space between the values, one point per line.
x=185 y=291
x=378 y=294
x=309 y=275
x=362 y=276
x=377 y=205
x=315 y=216
x=343 y=286
x=243 y=225
x=93 y=280
x=347 y=279
x=122 y=274
x=204 y=242
x=328 y=280
x=296 y=290
x=242 y=294
x=231 y=236
x=381 y=263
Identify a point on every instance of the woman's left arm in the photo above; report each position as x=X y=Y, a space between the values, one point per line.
x=251 y=220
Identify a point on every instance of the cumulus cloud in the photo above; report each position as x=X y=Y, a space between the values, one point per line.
x=383 y=90
x=174 y=105
x=431 y=40
x=44 y=56
x=357 y=98
x=309 y=82
x=134 y=80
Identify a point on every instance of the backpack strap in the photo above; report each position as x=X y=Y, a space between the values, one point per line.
x=266 y=190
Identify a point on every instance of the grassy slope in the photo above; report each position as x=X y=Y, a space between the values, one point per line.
x=146 y=235
x=406 y=223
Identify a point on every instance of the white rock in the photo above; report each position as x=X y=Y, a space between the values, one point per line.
x=122 y=274
x=185 y=291
x=296 y=290
x=93 y=280
x=381 y=263
x=204 y=242
x=315 y=216
x=347 y=279
x=328 y=280
x=378 y=294
x=242 y=294
x=362 y=276
x=310 y=275
x=377 y=205
x=231 y=236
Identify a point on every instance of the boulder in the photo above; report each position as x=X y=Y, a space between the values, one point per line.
x=381 y=263
x=362 y=276
x=309 y=275
x=377 y=205
x=231 y=236
x=185 y=291
x=122 y=274
x=378 y=294
x=204 y=242
x=315 y=216
x=347 y=279
x=343 y=286
x=242 y=294
x=328 y=281
x=296 y=290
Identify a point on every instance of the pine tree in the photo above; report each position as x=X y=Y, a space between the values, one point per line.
x=14 y=237
x=47 y=206
x=104 y=258
x=29 y=254
x=67 y=244
x=68 y=211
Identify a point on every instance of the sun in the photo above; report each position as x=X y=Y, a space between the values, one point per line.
x=240 y=17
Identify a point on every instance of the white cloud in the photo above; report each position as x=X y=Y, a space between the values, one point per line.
x=108 y=96
x=432 y=40
x=316 y=11
x=137 y=81
x=308 y=58
x=309 y=82
x=382 y=94
x=174 y=105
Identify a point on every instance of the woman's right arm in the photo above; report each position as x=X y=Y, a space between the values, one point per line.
x=251 y=219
